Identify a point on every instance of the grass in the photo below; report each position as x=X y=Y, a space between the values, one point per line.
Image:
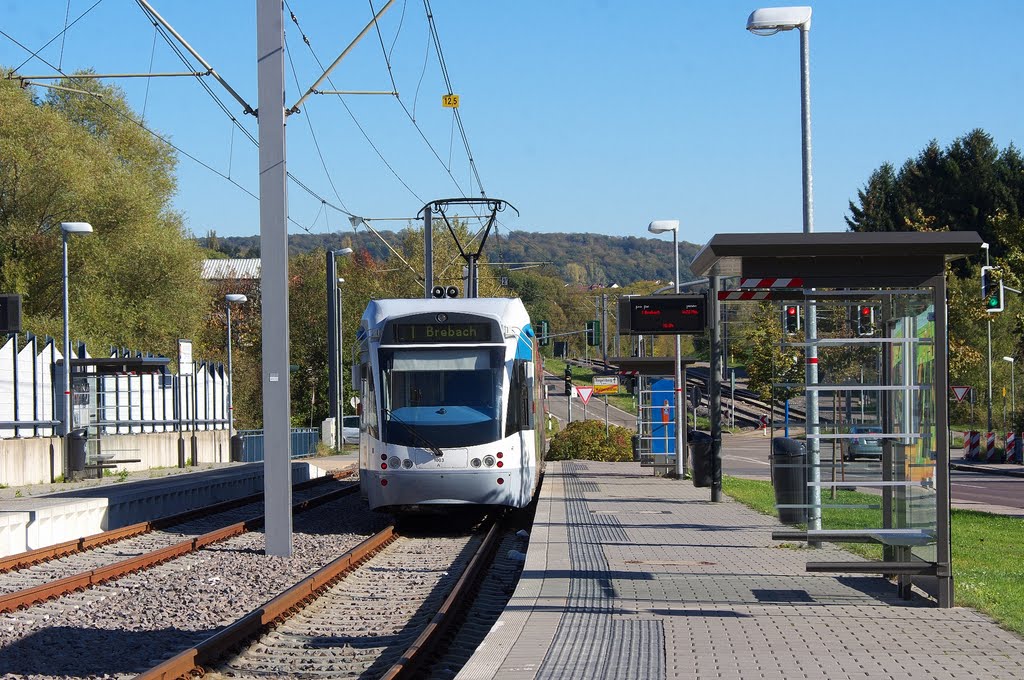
x=988 y=569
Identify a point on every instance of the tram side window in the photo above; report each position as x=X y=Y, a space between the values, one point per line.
x=369 y=401
x=518 y=416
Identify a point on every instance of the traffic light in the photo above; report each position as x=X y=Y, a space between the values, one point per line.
x=992 y=289
x=545 y=334
x=594 y=333
x=865 y=320
x=568 y=380
x=791 y=318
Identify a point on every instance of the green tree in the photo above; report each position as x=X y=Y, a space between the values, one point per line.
x=79 y=157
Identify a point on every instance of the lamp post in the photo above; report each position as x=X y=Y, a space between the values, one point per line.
x=333 y=350
x=230 y=299
x=988 y=325
x=769 y=21
x=660 y=227
x=1013 y=392
x=68 y=228
x=339 y=430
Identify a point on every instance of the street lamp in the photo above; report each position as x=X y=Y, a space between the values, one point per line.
x=231 y=299
x=1013 y=392
x=68 y=228
x=660 y=227
x=334 y=364
x=769 y=21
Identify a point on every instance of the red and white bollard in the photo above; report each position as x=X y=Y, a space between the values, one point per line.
x=990 y=447
x=1010 y=455
x=974 y=445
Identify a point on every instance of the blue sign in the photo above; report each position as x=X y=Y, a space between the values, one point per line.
x=663 y=416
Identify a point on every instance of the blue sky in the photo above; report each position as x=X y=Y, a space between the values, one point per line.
x=587 y=116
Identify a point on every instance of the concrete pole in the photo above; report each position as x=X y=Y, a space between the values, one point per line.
x=274 y=255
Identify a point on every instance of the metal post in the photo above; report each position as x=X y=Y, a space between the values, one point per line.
x=274 y=249
x=195 y=415
x=989 y=324
x=428 y=253
x=604 y=329
x=341 y=373
x=332 y=347
x=715 y=391
x=231 y=378
x=943 y=555
x=179 y=393
x=732 y=397
x=66 y=416
x=680 y=397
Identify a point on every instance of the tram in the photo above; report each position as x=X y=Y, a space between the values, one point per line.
x=451 y=404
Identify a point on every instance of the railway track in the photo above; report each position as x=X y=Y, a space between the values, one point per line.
x=33 y=577
x=389 y=608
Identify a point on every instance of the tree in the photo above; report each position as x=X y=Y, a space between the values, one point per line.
x=79 y=157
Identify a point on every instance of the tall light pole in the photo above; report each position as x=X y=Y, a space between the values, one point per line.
x=68 y=228
x=339 y=430
x=333 y=347
x=231 y=299
x=1013 y=392
x=770 y=21
x=989 y=329
x=660 y=227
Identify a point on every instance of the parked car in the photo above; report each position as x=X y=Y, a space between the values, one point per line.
x=350 y=429
x=867 y=446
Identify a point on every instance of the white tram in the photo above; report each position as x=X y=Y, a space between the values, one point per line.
x=451 y=409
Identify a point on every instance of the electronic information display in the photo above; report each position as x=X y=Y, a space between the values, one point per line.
x=667 y=315
x=442 y=332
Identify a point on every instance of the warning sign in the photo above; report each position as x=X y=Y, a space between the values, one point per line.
x=960 y=392
x=584 y=393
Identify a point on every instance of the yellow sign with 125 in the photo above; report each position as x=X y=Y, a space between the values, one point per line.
x=450 y=101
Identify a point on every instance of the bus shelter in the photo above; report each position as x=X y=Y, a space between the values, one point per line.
x=873 y=307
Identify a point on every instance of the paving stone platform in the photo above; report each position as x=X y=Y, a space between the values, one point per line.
x=633 y=576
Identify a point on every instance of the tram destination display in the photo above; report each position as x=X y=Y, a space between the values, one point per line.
x=664 y=315
x=442 y=332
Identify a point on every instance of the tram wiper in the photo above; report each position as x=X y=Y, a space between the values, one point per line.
x=416 y=435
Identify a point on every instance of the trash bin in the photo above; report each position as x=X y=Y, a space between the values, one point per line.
x=236 y=448
x=77 y=451
x=789 y=475
x=635 y=439
x=701 y=458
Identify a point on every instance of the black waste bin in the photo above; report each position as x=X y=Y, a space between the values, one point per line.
x=789 y=475
x=77 y=451
x=236 y=448
x=701 y=458
x=635 y=439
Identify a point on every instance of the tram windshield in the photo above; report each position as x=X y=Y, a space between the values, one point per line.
x=449 y=397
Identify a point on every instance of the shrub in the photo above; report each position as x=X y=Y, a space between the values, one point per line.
x=586 y=440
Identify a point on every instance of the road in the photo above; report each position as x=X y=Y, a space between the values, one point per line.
x=746 y=455
x=558 y=406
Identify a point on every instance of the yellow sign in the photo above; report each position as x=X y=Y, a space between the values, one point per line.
x=606 y=389
x=450 y=101
x=606 y=384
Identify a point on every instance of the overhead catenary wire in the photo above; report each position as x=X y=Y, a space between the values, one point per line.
x=67 y=26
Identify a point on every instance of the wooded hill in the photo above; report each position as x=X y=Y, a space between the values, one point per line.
x=583 y=259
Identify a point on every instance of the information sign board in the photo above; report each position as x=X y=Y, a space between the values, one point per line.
x=606 y=384
x=665 y=315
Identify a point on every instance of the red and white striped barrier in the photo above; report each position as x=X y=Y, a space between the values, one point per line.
x=744 y=295
x=771 y=283
x=990 y=448
x=972 y=445
x=1010 y=455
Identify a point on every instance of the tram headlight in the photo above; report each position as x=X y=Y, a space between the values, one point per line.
x=475 y=462
x=489 y=460
x=394 y=462
x=407 y=463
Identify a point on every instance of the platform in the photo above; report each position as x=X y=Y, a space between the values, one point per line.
x=36 y=521
x=633 y=576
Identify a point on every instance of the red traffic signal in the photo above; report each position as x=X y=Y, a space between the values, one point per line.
x=792 y=318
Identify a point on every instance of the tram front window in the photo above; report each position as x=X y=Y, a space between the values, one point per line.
x=447 y=397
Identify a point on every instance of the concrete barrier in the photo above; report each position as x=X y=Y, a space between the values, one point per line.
x=37 y=460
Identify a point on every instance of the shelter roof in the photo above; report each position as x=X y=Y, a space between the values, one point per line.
x=873 y=258
x=231 y=269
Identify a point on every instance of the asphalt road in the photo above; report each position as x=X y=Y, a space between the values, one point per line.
x=747 y=456
x=558 y=406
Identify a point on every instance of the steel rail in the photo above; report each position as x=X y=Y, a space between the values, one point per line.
x=191 y=660
x=29 y=558
x=413 y=659
x=28 y=597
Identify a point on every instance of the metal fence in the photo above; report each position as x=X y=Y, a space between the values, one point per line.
x=31 y=401
x=304 y=441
